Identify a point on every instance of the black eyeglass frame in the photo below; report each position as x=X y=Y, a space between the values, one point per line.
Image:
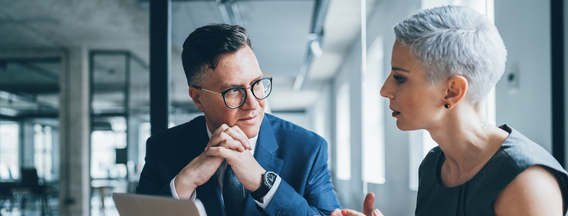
x=241 y=88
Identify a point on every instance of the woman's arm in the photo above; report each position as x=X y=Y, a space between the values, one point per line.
x=534 y=192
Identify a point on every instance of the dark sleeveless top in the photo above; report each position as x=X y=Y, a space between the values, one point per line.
x=477 y=196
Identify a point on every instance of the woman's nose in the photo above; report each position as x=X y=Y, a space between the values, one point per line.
x=386 y=90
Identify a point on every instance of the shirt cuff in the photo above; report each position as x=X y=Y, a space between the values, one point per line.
x=174 y=193
x=200 y=207
x=268 y=197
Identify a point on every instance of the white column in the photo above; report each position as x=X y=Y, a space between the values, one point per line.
x=74 y=120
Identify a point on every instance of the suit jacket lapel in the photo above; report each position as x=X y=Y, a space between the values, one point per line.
x=265 y=155
x=266 y=148
x=210 y=196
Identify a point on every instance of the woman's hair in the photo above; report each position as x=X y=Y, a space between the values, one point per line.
x=203 y=47
x=455 y=40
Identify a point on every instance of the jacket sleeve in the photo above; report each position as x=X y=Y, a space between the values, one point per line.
x=150 y=182
x=319 y=197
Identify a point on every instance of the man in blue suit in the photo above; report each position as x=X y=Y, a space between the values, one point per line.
x=236 y=159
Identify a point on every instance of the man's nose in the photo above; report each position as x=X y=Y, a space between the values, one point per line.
x=250 y=102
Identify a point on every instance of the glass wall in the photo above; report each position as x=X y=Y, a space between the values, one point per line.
x=373 y=121
x=43 y=148
x=29 y=137
x=9 y=153
x=119 y=120
x=109 y=74
x=29 y=103
x=343 y=130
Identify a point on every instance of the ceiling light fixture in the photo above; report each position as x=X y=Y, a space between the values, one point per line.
x=314 y=42
x=230 y=12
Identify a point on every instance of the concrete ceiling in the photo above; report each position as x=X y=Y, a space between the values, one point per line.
x=278 y=28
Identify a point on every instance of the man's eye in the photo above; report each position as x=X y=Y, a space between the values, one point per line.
x=233 y=91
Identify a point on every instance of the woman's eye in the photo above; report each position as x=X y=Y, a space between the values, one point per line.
x=398 y=78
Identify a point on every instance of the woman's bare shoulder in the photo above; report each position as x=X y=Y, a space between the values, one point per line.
x=533 y=192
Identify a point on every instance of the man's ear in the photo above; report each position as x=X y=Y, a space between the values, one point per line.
x=456 y=90
x=195 y=95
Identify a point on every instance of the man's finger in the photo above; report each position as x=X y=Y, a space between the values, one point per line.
x=214 y=151
x=369 y=204
x=237 y=134
x=217 y=140
x=232 y=144
x=222 y=128
x=245 y=142
x=219 y=152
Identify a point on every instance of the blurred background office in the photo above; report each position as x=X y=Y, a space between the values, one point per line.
x=84 y=83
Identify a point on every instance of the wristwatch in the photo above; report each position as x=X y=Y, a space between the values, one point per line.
x=268 y=179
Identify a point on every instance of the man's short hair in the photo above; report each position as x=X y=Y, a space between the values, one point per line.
x=204 y=46
x=455 y=40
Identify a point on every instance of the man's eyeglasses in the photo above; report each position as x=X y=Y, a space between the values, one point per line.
x=235 y=97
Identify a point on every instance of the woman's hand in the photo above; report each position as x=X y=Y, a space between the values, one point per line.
x=349 y=212
x=368 y=206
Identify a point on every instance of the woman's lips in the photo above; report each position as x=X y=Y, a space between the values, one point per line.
x=395 y=113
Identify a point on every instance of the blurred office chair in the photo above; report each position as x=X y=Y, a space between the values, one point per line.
x=6 y=196
x=31 y=182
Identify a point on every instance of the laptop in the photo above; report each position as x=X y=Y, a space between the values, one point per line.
x=144 y=205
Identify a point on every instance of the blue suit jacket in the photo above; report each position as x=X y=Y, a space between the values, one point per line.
x=297 y=155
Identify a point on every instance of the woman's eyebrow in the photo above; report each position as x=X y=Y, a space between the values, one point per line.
x=400 y=69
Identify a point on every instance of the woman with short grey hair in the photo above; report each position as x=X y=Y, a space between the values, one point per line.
x=444 y=62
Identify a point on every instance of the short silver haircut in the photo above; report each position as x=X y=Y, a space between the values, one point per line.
x=455 y=40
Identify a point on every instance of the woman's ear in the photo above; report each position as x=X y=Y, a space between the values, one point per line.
x=195 y=94
x=456 y=91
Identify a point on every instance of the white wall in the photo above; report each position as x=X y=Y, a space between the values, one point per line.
x=321 y=116
x=525 y=29
x=299 y=118
x=350 y=193
x=394 y=197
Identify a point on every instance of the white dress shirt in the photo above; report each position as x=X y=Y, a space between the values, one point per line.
x=220 y=174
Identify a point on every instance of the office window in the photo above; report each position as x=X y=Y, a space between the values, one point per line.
x=9 y=139
x=144 y=134
x=420 y=141
x=373 y=112
x=104 y=142
x=343 y=133
x=42 y=151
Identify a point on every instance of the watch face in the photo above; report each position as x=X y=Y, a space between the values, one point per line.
x=270 y=178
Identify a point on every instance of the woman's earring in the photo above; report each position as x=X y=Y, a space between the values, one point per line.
x=447 y=106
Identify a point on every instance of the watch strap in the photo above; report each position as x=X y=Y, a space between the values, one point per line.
x=265 y=186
